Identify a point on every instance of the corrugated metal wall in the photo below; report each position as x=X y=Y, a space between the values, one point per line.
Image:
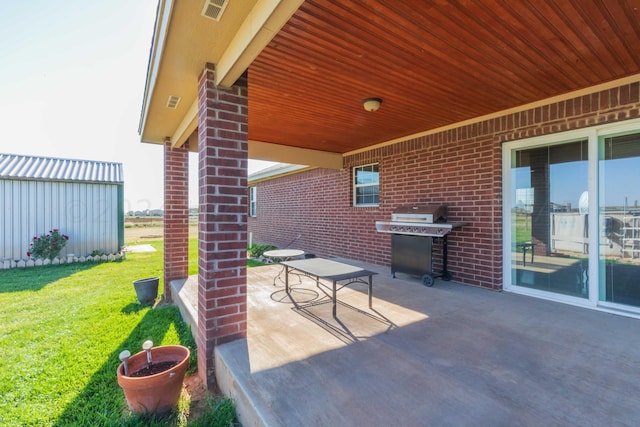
x=86 y=212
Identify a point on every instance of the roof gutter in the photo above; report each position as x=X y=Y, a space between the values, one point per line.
x=160 y=31
x=276 y=172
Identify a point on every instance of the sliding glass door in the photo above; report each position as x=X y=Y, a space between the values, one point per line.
x=549 y=239
x=620 y=218
x=572 y=216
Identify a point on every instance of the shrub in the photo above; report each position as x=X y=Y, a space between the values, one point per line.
x=47 y=245
x=256 y=251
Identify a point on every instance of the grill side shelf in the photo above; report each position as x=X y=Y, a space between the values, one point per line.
x=417 y=228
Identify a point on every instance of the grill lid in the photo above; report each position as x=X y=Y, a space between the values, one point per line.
x=421 y=212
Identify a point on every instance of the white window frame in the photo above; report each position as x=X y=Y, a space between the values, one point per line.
x=593 y=134
x=356 y=185
x=253 y=193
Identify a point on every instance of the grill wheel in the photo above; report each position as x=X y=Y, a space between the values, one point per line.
x=427 y=280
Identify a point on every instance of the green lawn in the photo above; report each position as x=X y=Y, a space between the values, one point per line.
x=63 y=328
x=193 y=258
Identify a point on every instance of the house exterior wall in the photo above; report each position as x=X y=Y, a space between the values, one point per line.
x=313 y=210
x=87 y=212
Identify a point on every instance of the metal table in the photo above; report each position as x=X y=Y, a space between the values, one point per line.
x=525 y=246
x=280 y=255
x=332 y=271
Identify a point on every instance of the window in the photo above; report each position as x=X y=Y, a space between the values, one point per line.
x=366 y=185
x=252 y=201
x=619 y=169
x=550 y=184
x=572 y=216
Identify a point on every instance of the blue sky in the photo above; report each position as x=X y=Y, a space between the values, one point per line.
x=569 y=180
x=72 y=75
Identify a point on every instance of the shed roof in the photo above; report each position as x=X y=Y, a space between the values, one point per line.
x=15 y=166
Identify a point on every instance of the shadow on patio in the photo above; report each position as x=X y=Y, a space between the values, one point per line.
x=446 y=355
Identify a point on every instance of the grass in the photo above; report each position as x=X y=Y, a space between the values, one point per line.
x=193 y=258
x=254 y=263
x=523 y=228
x=63 y=328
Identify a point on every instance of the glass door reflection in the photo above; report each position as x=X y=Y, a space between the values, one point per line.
x=549 y=220
x=619 y=168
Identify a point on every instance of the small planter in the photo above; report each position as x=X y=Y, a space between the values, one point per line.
x=159 y=392
x=147 y=289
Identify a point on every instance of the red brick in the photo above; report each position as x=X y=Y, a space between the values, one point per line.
x=455 y=166
x=176 y=225
x=222 y=149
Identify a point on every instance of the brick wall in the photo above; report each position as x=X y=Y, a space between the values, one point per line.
x=176 y=214
x=462 y=167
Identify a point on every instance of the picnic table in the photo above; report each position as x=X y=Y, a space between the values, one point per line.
x=338 y=273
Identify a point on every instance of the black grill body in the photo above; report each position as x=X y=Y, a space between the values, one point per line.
x=413 y=228
x=411 y=254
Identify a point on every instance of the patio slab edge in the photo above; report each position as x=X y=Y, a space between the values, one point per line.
x=227 y=366
x=185 y=297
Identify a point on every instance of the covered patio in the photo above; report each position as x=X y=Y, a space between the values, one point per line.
x=285 y=80
x=446 y=355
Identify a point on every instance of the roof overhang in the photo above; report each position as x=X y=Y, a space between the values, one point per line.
x=435 y=64
x=184 y=41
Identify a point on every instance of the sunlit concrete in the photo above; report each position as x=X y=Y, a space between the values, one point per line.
x=446 y=355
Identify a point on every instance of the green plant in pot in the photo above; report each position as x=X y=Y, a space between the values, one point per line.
x=152 y=379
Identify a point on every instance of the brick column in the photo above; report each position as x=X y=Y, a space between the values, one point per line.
x=222 y=225
x=540 y=218
x=176 y=215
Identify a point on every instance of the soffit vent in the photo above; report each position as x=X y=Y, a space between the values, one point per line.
x=173 y=102
x=213 y=9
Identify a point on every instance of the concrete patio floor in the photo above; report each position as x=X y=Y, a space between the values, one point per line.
x=449 y=355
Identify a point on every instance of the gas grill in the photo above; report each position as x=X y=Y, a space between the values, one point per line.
x=413 y=228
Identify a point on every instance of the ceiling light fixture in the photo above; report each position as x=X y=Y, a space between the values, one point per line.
x=371 y=104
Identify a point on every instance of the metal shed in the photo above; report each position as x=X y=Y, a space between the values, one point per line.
x=84 y=199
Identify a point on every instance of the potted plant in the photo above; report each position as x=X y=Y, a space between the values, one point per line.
x=152 y=379
x=146 y=289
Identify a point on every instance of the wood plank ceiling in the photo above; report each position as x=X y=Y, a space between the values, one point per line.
x=433 y=63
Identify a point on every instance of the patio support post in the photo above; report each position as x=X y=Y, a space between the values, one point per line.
x=222 y=225
x=540 y=218
x=176 y=215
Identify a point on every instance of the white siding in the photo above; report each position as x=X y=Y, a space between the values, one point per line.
x=86 y=212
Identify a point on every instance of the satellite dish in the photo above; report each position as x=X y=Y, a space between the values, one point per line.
x=583 y=204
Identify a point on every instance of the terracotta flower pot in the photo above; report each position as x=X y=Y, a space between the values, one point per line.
x=156 y=393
